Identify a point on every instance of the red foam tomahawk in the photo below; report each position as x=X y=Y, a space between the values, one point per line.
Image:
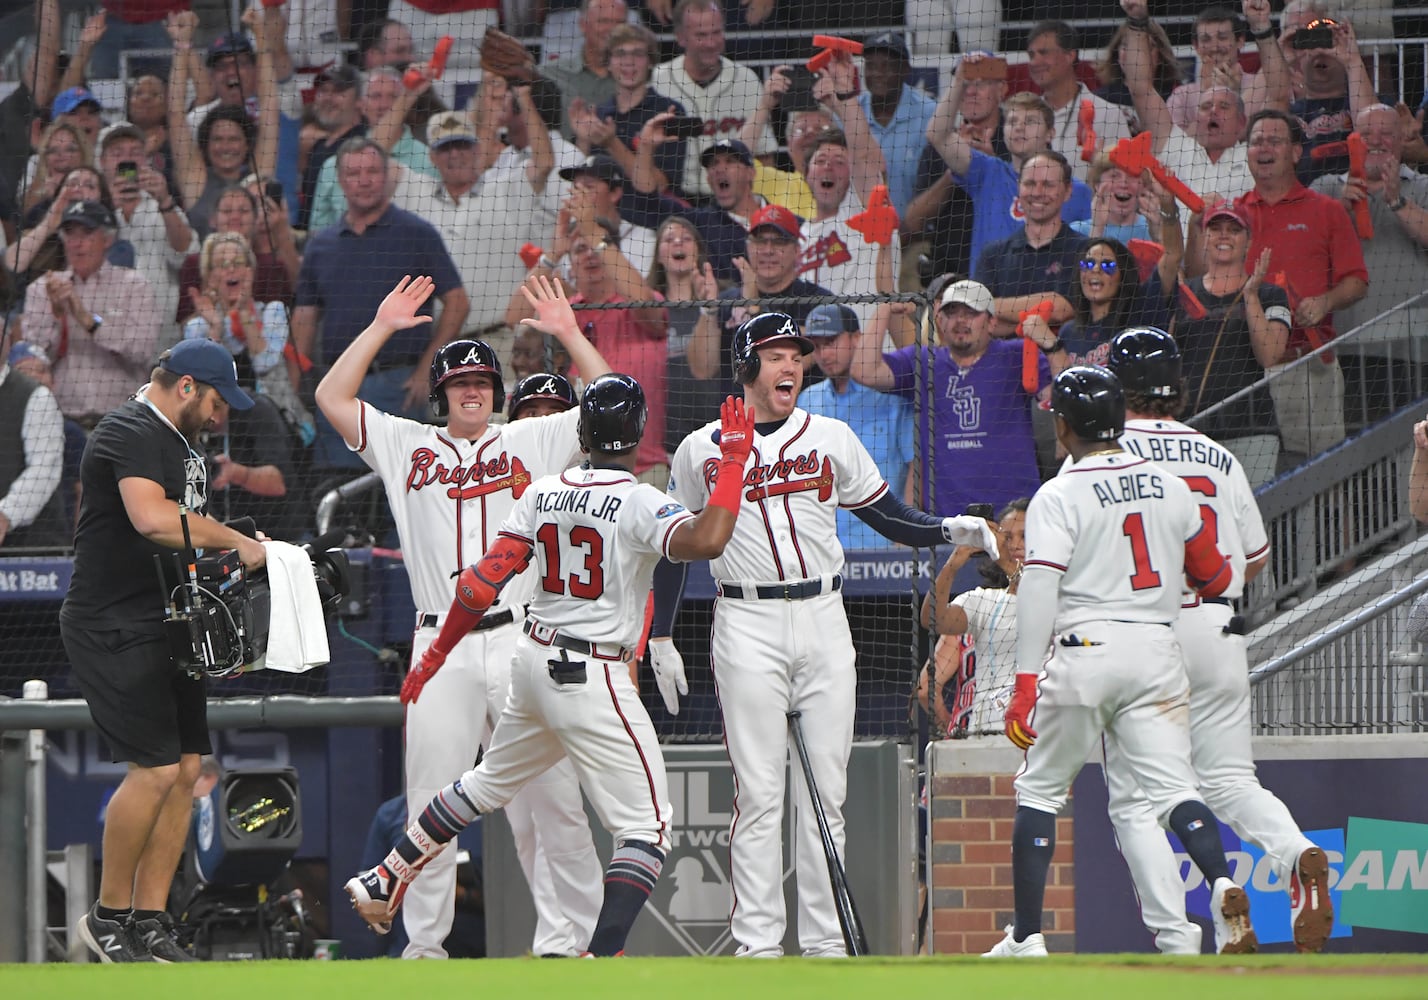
x=827 y=45
x=878 y=221
x=516 y=482
x=1135 y=158
x=412 y=78
x=530 y=255
x=1030 y=352
x=1086 y=129
x=823 y=483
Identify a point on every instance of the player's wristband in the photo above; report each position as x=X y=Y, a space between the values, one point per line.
x=727 y=486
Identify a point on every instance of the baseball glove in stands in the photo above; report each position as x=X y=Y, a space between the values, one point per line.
x=507 y=57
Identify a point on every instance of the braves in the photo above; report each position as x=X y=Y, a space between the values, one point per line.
x=449 y=488
x=781 y=640
x=1106 y=580
x=1147 y=361
x=571 y=692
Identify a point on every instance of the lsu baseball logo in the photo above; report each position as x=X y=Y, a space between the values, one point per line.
x=468 y=482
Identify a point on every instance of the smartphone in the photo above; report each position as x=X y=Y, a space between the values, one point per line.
x=273 y=190
x=987 y=69
x=983 y=510
x=684 y=127
x=1317 y=34
x=127 y=170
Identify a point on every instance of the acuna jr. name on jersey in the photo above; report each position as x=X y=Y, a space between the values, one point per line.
x=1178 y=449
x=1128 y=487
x=577 y=502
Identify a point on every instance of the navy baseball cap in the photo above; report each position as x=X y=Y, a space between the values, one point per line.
x=89 y=214
x=599 y=165
x=72 y=100
x=233 y=44
x=830 y=320
x=210 y=363
x=888 y=41
x=727 y=147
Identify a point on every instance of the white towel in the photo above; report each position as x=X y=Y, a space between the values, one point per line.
x=297 y=634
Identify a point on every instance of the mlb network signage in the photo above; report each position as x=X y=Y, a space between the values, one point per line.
x=1375 y=838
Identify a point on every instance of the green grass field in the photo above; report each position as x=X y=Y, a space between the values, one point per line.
x=1104 y=977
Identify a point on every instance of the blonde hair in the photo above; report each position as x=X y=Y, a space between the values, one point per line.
x=216 y=240
x=42 y=172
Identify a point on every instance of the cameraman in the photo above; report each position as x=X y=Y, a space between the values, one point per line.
x=139 y=465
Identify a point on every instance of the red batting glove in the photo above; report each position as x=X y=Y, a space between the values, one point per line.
x=416 y=679
x=1018 y=717
x=736 y=431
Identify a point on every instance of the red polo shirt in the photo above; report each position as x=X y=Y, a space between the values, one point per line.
x=1312 y=243
x=642 y=352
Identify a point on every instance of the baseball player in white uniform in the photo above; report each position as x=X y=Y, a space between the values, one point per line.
x=781 y=641
x=449 y=488
x=1147 y=361
x=1107 y=545
x=594 y=535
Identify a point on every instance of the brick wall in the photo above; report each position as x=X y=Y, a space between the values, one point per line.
x=971 y=805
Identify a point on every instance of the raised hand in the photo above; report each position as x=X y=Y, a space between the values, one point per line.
x=399 y=309
x=94 y=28
x=736 y=430
x=1261 y=268
x=553 y=314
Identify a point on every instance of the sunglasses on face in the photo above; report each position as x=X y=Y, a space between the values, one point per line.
x=1105 y=266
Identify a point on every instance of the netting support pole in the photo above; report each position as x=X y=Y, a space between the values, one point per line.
x=37 y=912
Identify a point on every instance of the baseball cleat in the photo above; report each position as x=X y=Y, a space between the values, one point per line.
x=376 y=894
x=1009 y=947
x=1310 y=907
x=1229 y=908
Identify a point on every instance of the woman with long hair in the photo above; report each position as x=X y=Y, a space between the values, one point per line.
x=62 y=148
x=971 y=682
x=229 y=144
x=681 y=272
x=1113 y=79
x=1109 y=296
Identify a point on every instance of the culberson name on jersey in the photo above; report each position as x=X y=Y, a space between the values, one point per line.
x=1180 y=449
x=1128 y=487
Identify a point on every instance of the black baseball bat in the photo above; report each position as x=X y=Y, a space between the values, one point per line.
x=853 y=937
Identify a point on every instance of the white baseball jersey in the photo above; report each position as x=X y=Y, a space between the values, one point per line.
x=449 y=496
x=597 y=535
x=1215 y=476
x=837 y=257
x=796 y=479
x=1115 y=525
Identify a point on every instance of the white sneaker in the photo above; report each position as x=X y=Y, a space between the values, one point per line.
x=1229 y=908
x=1310 y=908
x=1008 y=947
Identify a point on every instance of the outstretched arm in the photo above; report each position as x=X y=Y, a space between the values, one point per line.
x=554 y=316
x=1138 y=68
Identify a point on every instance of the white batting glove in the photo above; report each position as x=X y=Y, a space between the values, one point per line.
x=973 y=532
x=668 y=668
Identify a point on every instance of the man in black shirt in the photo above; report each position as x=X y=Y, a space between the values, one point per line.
x=140 y=469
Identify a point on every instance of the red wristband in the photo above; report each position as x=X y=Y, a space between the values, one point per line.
x=727 y=486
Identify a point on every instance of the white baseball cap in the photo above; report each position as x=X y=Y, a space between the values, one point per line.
x=968 y=293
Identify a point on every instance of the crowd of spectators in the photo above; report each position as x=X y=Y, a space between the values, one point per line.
x=236 y=198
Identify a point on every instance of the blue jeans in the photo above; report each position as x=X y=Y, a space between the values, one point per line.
x=120 y=36
x=387 y=392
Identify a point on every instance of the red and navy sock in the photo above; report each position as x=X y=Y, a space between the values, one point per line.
x=446 y=815
x=629 y=880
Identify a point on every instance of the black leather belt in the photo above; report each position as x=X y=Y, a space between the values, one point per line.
x=490 y=621
x=547 y=636
x=1225 y=601
x=795 y=591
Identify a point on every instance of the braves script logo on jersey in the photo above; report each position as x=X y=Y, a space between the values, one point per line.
x=762 y=480
x=468 y=482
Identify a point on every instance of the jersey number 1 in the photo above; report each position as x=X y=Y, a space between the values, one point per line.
x=586 y=541
x=1145 y=576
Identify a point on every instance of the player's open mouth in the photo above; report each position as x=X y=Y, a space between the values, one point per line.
x=784 y=387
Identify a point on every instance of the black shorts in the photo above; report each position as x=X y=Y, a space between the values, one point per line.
x=148 y=712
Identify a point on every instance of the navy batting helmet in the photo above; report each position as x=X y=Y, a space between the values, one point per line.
x=612 y=414
x=458 y=358
x=761 y=331
x=1146 y=360
x=541 y=385
x=1090 y=399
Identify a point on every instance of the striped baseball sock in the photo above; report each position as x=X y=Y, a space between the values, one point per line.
x=444 y=817
x=629 y=880
x=1033 y=843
